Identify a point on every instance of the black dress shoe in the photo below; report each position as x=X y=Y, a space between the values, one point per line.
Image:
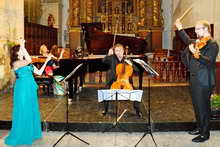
x=200 y=138
x=194 y=132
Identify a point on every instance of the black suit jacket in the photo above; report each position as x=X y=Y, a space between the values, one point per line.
x=204 y=67
x=112 y=61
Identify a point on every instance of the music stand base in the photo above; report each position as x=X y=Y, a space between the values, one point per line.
x=69 y=133
x=67 y=109
x=147 y=132
x=116 y=123
x=150 y=125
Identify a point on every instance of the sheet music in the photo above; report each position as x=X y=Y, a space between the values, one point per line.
x=110 y=95
x=146 y=67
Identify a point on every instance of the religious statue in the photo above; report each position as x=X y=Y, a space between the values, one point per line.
x=51 y=20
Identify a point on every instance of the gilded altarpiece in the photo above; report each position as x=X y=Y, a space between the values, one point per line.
x=132 y=17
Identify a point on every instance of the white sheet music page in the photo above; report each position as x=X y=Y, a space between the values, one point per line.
x=110 y=95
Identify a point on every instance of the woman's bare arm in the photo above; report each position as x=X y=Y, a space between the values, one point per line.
x=24 y=52
x=41 y=70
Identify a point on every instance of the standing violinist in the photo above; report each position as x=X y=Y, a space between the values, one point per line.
x=116 y=56
x=199 y=58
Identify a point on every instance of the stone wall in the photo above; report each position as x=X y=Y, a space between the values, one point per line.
x=12 y=28
x=216 y=21
x=32 y=10
x=201 y=10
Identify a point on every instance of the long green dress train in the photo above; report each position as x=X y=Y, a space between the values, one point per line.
x=26 y=122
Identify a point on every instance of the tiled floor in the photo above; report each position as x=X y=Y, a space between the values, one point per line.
x=113 y=139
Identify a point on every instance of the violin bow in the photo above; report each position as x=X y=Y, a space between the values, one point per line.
x=187 y=11
x=116 y=28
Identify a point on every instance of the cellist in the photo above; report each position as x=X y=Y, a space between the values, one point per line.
x=114 y=57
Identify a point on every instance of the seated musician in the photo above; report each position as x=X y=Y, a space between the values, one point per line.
x=52 y=64
x=58 y=52
x=115 y=57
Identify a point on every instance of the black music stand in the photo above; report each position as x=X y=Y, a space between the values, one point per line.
x=117 y=93
x=152 y=73
x=67 y=109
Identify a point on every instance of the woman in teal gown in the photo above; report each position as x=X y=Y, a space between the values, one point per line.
x=26 y=122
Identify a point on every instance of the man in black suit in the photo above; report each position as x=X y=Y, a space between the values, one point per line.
x=200 y=57
x=116 y=56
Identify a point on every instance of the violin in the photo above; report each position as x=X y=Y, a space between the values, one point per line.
x=200 y=44
x=123 y=72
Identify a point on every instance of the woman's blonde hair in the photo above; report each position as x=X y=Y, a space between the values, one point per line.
x=42 y=47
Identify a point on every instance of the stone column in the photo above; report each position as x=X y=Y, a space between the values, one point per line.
x=12 y=20
x=167 y=31
x=74 y=22
x=65 y=23
x=74 y=13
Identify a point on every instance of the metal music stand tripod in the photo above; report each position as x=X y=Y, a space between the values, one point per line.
x=117 y=94
x=152 y=73
x=67 y=109
x=116 y=123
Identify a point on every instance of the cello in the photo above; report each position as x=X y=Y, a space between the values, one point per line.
x=123 y=72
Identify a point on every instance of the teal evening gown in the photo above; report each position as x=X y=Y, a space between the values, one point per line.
x=26 y=122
